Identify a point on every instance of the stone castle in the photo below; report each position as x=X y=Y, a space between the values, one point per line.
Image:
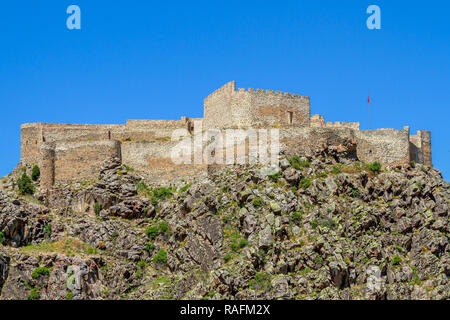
x=75 y=152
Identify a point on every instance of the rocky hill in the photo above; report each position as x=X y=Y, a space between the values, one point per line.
x=328 y=227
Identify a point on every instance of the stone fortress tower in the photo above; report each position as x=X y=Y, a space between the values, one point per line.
x=74 y=152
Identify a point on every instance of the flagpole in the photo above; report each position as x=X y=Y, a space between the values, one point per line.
x=368 y=109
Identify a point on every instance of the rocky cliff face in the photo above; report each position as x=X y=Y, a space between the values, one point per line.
x=320 y=228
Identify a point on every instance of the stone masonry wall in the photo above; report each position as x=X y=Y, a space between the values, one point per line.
x=47 y=164
x=30 y=142
x=426 y=147
x=63 y=162
x=217 y=110
x=226 y=108
x=388 y=146
x=305 y=141
x=420 y=147
x=34 y=134
x=153 y=160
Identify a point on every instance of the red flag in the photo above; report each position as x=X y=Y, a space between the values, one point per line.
x=368 y=99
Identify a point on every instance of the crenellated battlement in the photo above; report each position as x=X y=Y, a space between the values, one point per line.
x=271 y=93
x=230 y=88
x=318 y=121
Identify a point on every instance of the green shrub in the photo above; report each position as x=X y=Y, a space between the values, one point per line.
x=298 y=163
x=336 y=169
x=257 y=202
x=97 y=207
x=34 y=294
x=227 y=218
x=152 y=232
x=314 y=223
x=305 y=183
x=227 y=257
x=138 y=273
x=237 y=244
x=161 y=194
x=2 y=238
x=321 y=175
x=318 y=259
x=396 y=260
x=40 y=271
x=69 y=295
x=274 y=176
x=142 y=188
x=330 y=224
x=25 y=185
x=355 y=193
x=297 y=215
x=260 y=281
x=48 y=229
x=149 y=247
x=305 y=271
x=161 y=257
x=163 y=227
x=375 y=167
x=416 y=276
x=243 y=243
x=35 y=173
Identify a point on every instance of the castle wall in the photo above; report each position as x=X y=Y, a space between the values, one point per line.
x=227 y=108
x=415 y=148
x=426 y=148
x=47 y=164
x=153 y=160
x=420 y=147
x=387 y=146
x=155 y=129
x=217 y=111
x=68 y=152
x=77 y=161
x=64 y=162
x=33 y=135
x=75 y=133
x=263 y=109
x=306 y=141
x=30 y=142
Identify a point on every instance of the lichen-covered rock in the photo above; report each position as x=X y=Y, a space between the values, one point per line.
x=323 y=228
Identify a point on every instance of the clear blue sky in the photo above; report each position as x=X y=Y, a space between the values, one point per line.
x=158 y=60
